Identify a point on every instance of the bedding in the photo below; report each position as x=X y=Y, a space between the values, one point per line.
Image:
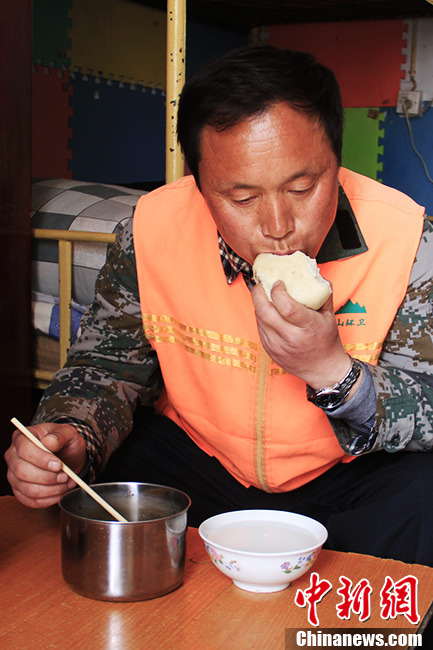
x=46 y=315
x=64 y=204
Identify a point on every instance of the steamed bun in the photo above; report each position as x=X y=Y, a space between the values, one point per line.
x=299 y=273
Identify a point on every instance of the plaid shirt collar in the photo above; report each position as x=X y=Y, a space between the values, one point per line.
x=344 y=239
x=233 y=264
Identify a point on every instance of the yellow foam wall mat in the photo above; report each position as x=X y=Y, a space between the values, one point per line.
x=119 y=39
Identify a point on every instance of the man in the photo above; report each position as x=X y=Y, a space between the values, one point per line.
x=244 y=417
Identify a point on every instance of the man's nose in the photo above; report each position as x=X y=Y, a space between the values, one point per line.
x=277 y=219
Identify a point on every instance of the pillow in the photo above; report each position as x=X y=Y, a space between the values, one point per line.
x=64 y=204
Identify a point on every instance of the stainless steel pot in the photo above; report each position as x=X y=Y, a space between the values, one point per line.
x=108 y=560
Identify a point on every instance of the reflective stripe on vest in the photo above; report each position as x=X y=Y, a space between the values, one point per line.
x=220 y=385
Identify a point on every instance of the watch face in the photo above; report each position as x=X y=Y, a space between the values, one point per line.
x=329 y=399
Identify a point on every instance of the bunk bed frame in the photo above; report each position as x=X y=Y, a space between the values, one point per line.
x=175 y=69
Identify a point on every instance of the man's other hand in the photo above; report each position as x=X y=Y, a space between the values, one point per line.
x=35 y=475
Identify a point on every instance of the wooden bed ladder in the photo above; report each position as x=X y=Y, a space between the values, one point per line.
x=175 y=68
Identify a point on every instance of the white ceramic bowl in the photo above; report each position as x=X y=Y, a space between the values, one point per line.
x=262 y=550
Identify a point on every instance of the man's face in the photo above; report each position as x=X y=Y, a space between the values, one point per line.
x=270 y=182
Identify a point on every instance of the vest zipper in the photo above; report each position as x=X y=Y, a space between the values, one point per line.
x=262 y=377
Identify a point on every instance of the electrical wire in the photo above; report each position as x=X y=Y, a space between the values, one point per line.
x=413 y=145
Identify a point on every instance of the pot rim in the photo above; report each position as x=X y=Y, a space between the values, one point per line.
x=77 y=489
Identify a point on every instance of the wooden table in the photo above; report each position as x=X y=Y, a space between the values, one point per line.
x=40 y=612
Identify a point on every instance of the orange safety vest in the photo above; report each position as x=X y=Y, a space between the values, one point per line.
x=220 y=385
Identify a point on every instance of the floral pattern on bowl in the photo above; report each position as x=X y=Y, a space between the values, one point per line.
x=303 y=562
x=218 y=559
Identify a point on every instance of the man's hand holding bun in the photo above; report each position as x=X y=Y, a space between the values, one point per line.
x=303 y=341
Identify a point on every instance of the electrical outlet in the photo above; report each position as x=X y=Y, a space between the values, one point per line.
x=409 y=102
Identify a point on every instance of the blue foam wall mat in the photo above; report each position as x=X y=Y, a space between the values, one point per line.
x=401 y=167
x=118 y=131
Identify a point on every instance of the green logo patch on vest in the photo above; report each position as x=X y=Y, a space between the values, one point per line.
x=351 y=308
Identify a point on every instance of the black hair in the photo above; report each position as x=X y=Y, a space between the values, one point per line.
x=246 y=82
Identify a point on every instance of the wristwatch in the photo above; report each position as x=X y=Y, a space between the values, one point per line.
x=331 y=397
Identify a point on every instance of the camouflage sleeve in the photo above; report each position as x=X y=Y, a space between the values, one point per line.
x=402 y=414
x=111 y=366
x=403 y=378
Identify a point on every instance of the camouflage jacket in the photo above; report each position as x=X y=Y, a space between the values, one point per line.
x=112 y=366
